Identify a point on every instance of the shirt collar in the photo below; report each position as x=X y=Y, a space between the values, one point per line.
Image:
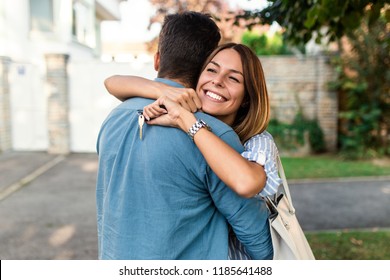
x=169 y=82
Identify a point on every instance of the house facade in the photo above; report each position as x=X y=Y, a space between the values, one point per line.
x=39 y=41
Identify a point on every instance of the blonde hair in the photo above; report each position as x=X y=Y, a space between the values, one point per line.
x=253 y=116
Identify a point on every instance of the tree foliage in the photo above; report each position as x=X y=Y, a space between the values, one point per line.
x=303 y=20
x=266 y=44
x=363 y=84
x=362 y=30
x=164 y=7
x=218 y=9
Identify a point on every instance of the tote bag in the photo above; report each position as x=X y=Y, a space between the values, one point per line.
x=289 y=241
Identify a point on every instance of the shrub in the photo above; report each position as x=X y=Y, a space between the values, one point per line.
x=263 y=44
x=363 y=85
x=292 y=136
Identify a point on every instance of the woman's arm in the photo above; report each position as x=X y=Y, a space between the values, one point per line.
x=246 y=178
x=125 y=87
x=262 y=148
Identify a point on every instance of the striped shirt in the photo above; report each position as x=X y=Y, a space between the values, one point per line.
x=256 y=147
x=263 y=144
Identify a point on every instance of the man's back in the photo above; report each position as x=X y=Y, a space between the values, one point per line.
x=156 y=197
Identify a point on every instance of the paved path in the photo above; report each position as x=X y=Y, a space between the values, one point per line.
x=342 y=204
x=47 y=205
x=52 y=217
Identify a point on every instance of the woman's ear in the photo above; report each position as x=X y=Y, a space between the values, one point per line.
x=156 y=61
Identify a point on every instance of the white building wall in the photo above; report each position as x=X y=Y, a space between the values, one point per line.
x=28 y=107
x=28 y=90
x=90 y=103
x=14 y=29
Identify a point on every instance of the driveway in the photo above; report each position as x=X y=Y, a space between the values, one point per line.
x=47 y=205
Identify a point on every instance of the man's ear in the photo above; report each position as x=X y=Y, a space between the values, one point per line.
x=156 y=61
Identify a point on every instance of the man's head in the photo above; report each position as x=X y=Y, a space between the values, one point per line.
x=186 y=39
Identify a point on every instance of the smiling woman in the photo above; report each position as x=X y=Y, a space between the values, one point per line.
x=221 y=86
x=243 y=69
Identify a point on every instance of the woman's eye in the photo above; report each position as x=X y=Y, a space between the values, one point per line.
x=211 y=70
x=235 y=79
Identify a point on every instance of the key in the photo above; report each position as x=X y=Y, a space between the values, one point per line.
x=141 y=121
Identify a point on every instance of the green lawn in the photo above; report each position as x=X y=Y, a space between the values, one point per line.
x=343 y=245
x=327 y=166
x=356 y=245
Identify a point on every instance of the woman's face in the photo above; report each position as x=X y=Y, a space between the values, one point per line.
x=221 y=86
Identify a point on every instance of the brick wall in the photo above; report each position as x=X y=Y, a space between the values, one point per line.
x=301 y=82
x=58 y=103
x=5 y=107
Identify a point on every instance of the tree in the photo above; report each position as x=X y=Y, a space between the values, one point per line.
x=363 y=84
x=361 y=29
x=303 y=20
x=218 y=9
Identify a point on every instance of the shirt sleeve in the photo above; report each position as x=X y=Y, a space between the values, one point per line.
x=248 y=217
x=257 y=146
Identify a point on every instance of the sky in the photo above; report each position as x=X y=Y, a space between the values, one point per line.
x=135 y=16
x=135 y=19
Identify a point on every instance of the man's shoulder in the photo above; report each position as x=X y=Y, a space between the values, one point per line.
x=130 y=107
x=135 y=103
x=222 y=130
x=218 y=127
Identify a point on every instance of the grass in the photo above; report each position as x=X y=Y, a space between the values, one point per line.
x=328 y=166
x=355 y=245
x=343 y=245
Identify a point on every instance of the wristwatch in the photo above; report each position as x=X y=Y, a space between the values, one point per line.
x=196 y=127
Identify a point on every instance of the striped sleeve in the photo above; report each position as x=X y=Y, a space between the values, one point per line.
x=236 y=250
x=263 y=144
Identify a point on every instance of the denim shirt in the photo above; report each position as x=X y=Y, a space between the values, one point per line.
x=158 y=199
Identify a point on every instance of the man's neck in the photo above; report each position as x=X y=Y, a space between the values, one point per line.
x=184 y=84
x=172 y=82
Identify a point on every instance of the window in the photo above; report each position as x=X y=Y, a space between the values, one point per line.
x=83 y=26
x=41 y=15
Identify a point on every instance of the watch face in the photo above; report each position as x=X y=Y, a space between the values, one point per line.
x=261 y=159
x=206 y=125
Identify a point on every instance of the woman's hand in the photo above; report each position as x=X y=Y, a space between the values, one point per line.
x=186 y=97
x=166 y=112
x=155 y=110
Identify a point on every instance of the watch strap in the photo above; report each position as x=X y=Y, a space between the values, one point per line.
x=196 y=127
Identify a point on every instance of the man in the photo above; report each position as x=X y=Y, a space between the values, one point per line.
x=156 y=196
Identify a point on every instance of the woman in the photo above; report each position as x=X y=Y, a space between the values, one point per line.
x=232 y=88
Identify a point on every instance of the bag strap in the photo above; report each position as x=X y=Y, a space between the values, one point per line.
x=285 y=185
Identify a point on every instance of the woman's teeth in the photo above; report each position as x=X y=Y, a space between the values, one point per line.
x=213 y=95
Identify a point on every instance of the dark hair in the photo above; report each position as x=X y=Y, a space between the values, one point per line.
x=185 y=41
